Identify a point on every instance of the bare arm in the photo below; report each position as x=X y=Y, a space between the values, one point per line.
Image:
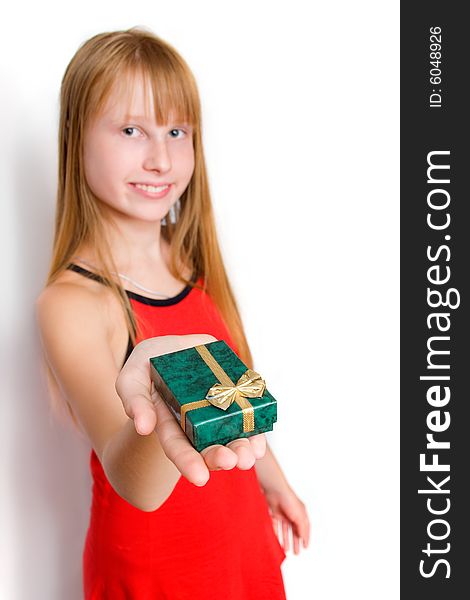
x=269 y=472
x=138 y=469
x=142 y=462
x=75 y=342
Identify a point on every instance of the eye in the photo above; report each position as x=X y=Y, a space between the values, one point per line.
x=129 y=129
x=176 y=130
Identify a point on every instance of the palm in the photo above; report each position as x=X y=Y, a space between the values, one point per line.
x=143 y=404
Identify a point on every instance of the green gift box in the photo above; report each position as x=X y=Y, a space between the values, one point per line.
x=213 y=395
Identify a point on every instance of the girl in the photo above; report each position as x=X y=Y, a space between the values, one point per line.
x=136 y=262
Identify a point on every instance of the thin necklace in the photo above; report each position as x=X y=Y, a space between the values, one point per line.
x=122 y=276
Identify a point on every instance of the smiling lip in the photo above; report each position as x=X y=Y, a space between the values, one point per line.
x=148 y=194
x=151 y=183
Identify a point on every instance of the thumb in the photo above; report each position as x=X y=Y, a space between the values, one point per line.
x=137 y=399
x=143 y=414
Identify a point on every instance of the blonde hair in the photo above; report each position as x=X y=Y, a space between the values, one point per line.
x=88 y=80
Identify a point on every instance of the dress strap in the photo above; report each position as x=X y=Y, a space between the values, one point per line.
x=86 y=273
x=130 y=347
x=99 y=279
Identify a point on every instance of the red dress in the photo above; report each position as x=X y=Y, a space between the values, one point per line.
x=214 y=542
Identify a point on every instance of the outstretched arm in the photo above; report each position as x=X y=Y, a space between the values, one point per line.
x=141 y=446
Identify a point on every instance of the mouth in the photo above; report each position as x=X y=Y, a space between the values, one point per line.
x=151 y=191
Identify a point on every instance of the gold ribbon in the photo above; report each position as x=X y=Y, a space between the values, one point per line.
x=223 y=394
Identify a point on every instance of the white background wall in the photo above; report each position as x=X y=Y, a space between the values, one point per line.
x=301 y=122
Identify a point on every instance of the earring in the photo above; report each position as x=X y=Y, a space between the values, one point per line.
x=173 y=213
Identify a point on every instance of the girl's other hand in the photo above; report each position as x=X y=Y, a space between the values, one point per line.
x=290 y=514
x=149 y=412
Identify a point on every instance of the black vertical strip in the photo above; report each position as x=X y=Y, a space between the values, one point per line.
x=434 y=119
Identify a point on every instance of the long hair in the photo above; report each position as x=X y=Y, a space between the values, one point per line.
x=98 y=65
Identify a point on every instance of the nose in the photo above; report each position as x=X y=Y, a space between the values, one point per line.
x=157 y=157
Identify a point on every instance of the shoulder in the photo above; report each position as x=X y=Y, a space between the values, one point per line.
x=74 y=334
x=70 y=322
x=65 y=302
x=72 y=299
x=72 y=314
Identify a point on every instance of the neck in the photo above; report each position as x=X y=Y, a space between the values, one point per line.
x=135 y=245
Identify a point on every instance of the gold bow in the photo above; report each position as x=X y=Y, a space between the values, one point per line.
x=221 y=395
x=250 y=385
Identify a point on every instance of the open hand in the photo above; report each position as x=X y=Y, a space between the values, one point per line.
x=289 y=514
x=146 y=407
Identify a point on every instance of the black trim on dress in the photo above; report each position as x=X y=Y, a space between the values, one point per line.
x=138 y=297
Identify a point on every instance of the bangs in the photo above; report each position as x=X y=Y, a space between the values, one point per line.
x=174 y=96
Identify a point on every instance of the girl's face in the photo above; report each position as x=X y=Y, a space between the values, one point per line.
x=124 y=154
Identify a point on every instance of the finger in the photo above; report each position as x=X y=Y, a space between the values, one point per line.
x=178 y=448
x=140 y=409
x=306 y=536
x=285 y=535
x=134 y=379
x=279 y=530
x=243 y=449
x=258 y=445
x=133 y=387
x=219 y=457
x=304 y=531
x=296 y=544
x=274 y=522
x=276 y=528
x=134 y=382
x=143 y=413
